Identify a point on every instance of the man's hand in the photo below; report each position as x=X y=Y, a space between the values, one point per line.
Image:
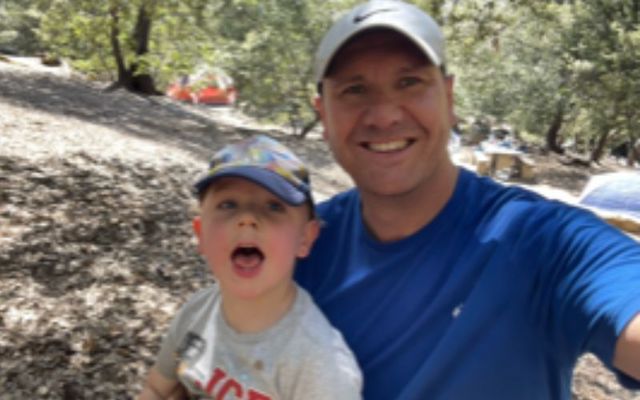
x=627 y=355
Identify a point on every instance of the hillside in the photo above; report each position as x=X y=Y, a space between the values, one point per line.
x=96 y=250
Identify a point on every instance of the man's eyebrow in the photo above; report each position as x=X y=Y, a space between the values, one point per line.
x=415 y=67
x=346 y=79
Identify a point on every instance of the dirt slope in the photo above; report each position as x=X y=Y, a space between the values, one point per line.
x=96 y=251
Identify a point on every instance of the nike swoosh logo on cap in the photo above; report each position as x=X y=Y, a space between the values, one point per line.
x=362 y=17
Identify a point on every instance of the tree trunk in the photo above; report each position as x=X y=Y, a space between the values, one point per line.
x=309 y=126
x=554 y=129
x=598 y=150
x=143 y=82
x=634 y=152
x=123 y=75
x=129 y=78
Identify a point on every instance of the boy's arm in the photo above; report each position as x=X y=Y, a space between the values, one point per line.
x=627 y=355
x=158 y=387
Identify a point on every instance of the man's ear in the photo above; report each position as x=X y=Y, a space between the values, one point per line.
x=309 y=236
x=449 y=83
x=318 y=105
x=196 y=224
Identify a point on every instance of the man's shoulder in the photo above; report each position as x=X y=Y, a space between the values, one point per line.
x=338 y=201
x=338 y=205
x=496 y=205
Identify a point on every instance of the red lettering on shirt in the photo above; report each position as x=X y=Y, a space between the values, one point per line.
x=228 y=385
x=253 y=395
x=218 y=374
x=220 y=385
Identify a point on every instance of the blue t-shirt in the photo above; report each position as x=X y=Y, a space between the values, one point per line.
x=495 y=298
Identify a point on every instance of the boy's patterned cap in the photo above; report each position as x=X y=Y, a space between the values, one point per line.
x=264 y=161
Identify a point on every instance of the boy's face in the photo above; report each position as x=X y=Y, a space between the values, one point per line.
x=251 y=239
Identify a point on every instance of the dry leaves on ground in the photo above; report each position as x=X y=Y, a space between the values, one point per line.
x=96 y=250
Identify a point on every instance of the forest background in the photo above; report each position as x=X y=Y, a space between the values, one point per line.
x=563 y=73
x=93 y=267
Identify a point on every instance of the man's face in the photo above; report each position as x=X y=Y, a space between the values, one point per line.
x=387 y=113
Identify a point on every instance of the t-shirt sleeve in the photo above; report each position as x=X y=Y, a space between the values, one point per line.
x=167 y=360
x=167 y=357
x=328 y=375
x=597 y=287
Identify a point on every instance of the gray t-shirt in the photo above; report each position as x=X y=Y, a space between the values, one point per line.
x=300 y=357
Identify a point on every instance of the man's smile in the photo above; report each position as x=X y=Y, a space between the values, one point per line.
x=388 y=147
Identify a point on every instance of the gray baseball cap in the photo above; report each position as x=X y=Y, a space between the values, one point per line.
x=395 y=15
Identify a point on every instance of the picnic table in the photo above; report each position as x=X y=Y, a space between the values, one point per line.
x=492 y=160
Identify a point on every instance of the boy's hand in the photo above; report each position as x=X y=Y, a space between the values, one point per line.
x=157 y=387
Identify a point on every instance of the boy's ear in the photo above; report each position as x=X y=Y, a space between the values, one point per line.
x=309 y=236
x=196 y=224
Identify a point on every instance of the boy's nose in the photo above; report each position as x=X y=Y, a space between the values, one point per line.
x=248 y=219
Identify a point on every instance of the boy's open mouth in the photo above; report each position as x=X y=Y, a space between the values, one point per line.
x=247 y=259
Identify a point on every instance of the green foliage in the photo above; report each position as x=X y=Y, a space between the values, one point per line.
x=265 y=45
x=18 y=27
x=520 y=62
x=526 y=64
x=605 y=47
x=273 y=43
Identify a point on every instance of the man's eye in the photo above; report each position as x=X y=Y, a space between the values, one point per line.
x=354 y=89
x=227 y=205
x=409 y=81
x=276 y=206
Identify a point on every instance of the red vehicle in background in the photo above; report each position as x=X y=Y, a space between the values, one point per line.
x=207 y=86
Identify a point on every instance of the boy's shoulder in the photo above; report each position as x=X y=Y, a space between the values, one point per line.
x=203 y=296
x=198 y=305
x=314 y=327
x=321 y=354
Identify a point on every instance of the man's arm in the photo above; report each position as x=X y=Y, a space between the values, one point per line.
x=157 y=387
x=627 y=354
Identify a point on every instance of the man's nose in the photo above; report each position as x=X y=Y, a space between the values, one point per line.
x=383 y=112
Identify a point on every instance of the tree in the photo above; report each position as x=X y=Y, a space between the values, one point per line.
x=506 y=74
x=132 y=76
x=135 y=43
x=605 y=44
x=266 y=46
x=272 y=45
x=18 y=27
x=555 y=69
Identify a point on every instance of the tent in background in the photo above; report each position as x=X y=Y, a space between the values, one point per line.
x=615 y=197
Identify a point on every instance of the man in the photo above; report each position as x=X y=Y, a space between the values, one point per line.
x=447 y=285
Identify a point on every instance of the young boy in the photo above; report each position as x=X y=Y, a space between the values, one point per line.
x=254 y=334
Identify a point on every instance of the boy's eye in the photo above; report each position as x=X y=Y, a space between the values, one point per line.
x=275 y=206
x=227 y=205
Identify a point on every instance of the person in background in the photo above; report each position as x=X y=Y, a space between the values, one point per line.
x=254 y=334
x=448 y=285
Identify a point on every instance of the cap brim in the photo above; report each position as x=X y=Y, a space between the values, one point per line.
x=270 y=180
